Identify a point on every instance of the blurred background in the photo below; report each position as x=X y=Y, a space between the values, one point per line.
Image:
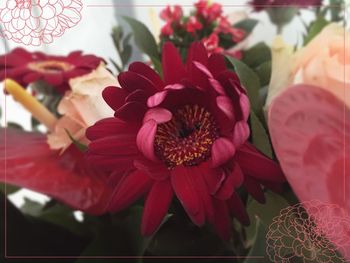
x=93 y=35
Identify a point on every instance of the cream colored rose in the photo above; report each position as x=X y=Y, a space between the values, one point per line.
x=82 y=107
x=324 y=62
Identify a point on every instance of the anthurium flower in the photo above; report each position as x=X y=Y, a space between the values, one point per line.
x=27 y=161
x=28 y=67
x=185 y=135
x=323 y=62
x=81 y=107
x=309 y=128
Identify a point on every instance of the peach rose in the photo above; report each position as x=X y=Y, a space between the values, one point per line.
x=81 y=107
x=323 y=62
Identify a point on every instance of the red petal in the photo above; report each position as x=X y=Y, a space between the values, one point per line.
x=109 y=126
x=156 y=206
x=222 y=151
x=213 y=177
x=198 y=53
x=241 y=133
x=129 y=189
x=237 y=209
x=203 y=193
x=216 y=64
x=173 y=69
x=185 y=189
x=222 y=222
x=54 y=79
x=149 y=73
x=155 y=170
x=120 y=144
x=132 y=81
x=114 y=97
x=131 y=111
x=67 y=178
x=254 y=188
x=145 y=139
x=233 y=180
x=255 y=164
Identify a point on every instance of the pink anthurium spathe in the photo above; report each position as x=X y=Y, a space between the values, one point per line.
x=27 y=161
x=310 y=128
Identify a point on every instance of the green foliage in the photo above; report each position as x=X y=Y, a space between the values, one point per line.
x=247 y=25
x=82 y=147
x=144 y=39
x=250 y=81
x=257 y=55
x=260 y=137
x=8 y=189
x=123 y=47
x=315 y=28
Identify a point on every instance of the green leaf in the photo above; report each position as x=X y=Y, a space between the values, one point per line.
x=82 y=147
x=247 y=25
x=259 y=244
x=31 y=207
x=9 y=189
x=282 y=16
x=143 y=37
x=28 y=236
x=250 y=81
x=257 y=55
x=315 y=28
x=264 y=73
x=259 y=136
x=14 y=125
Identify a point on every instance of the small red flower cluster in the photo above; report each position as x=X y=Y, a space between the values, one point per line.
x=195 y=27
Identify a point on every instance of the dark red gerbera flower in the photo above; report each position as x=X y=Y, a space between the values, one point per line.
x=185 y=134
x=28 y=67
x=263 y=4
x=26 y=160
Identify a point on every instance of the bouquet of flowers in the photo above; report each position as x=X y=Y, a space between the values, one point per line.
x=212 y=149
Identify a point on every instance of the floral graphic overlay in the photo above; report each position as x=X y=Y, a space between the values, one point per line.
x=312 y=231
x=33 y=22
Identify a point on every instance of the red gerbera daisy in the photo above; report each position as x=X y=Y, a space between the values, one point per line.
x=184 y=134
x=28 y=67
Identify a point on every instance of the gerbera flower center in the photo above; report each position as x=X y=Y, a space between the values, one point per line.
x=50 y=66
x=187 y=138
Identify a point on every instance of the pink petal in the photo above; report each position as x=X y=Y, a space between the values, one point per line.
x=145 y=139
x=160 y=115
x=132 y=187
x=222 y=151
x=224 y=103
x=203 y=68
x=156 y=206
x=241 y=133
x=157 y=99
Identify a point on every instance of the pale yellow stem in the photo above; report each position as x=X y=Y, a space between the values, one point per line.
x=38 y=110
